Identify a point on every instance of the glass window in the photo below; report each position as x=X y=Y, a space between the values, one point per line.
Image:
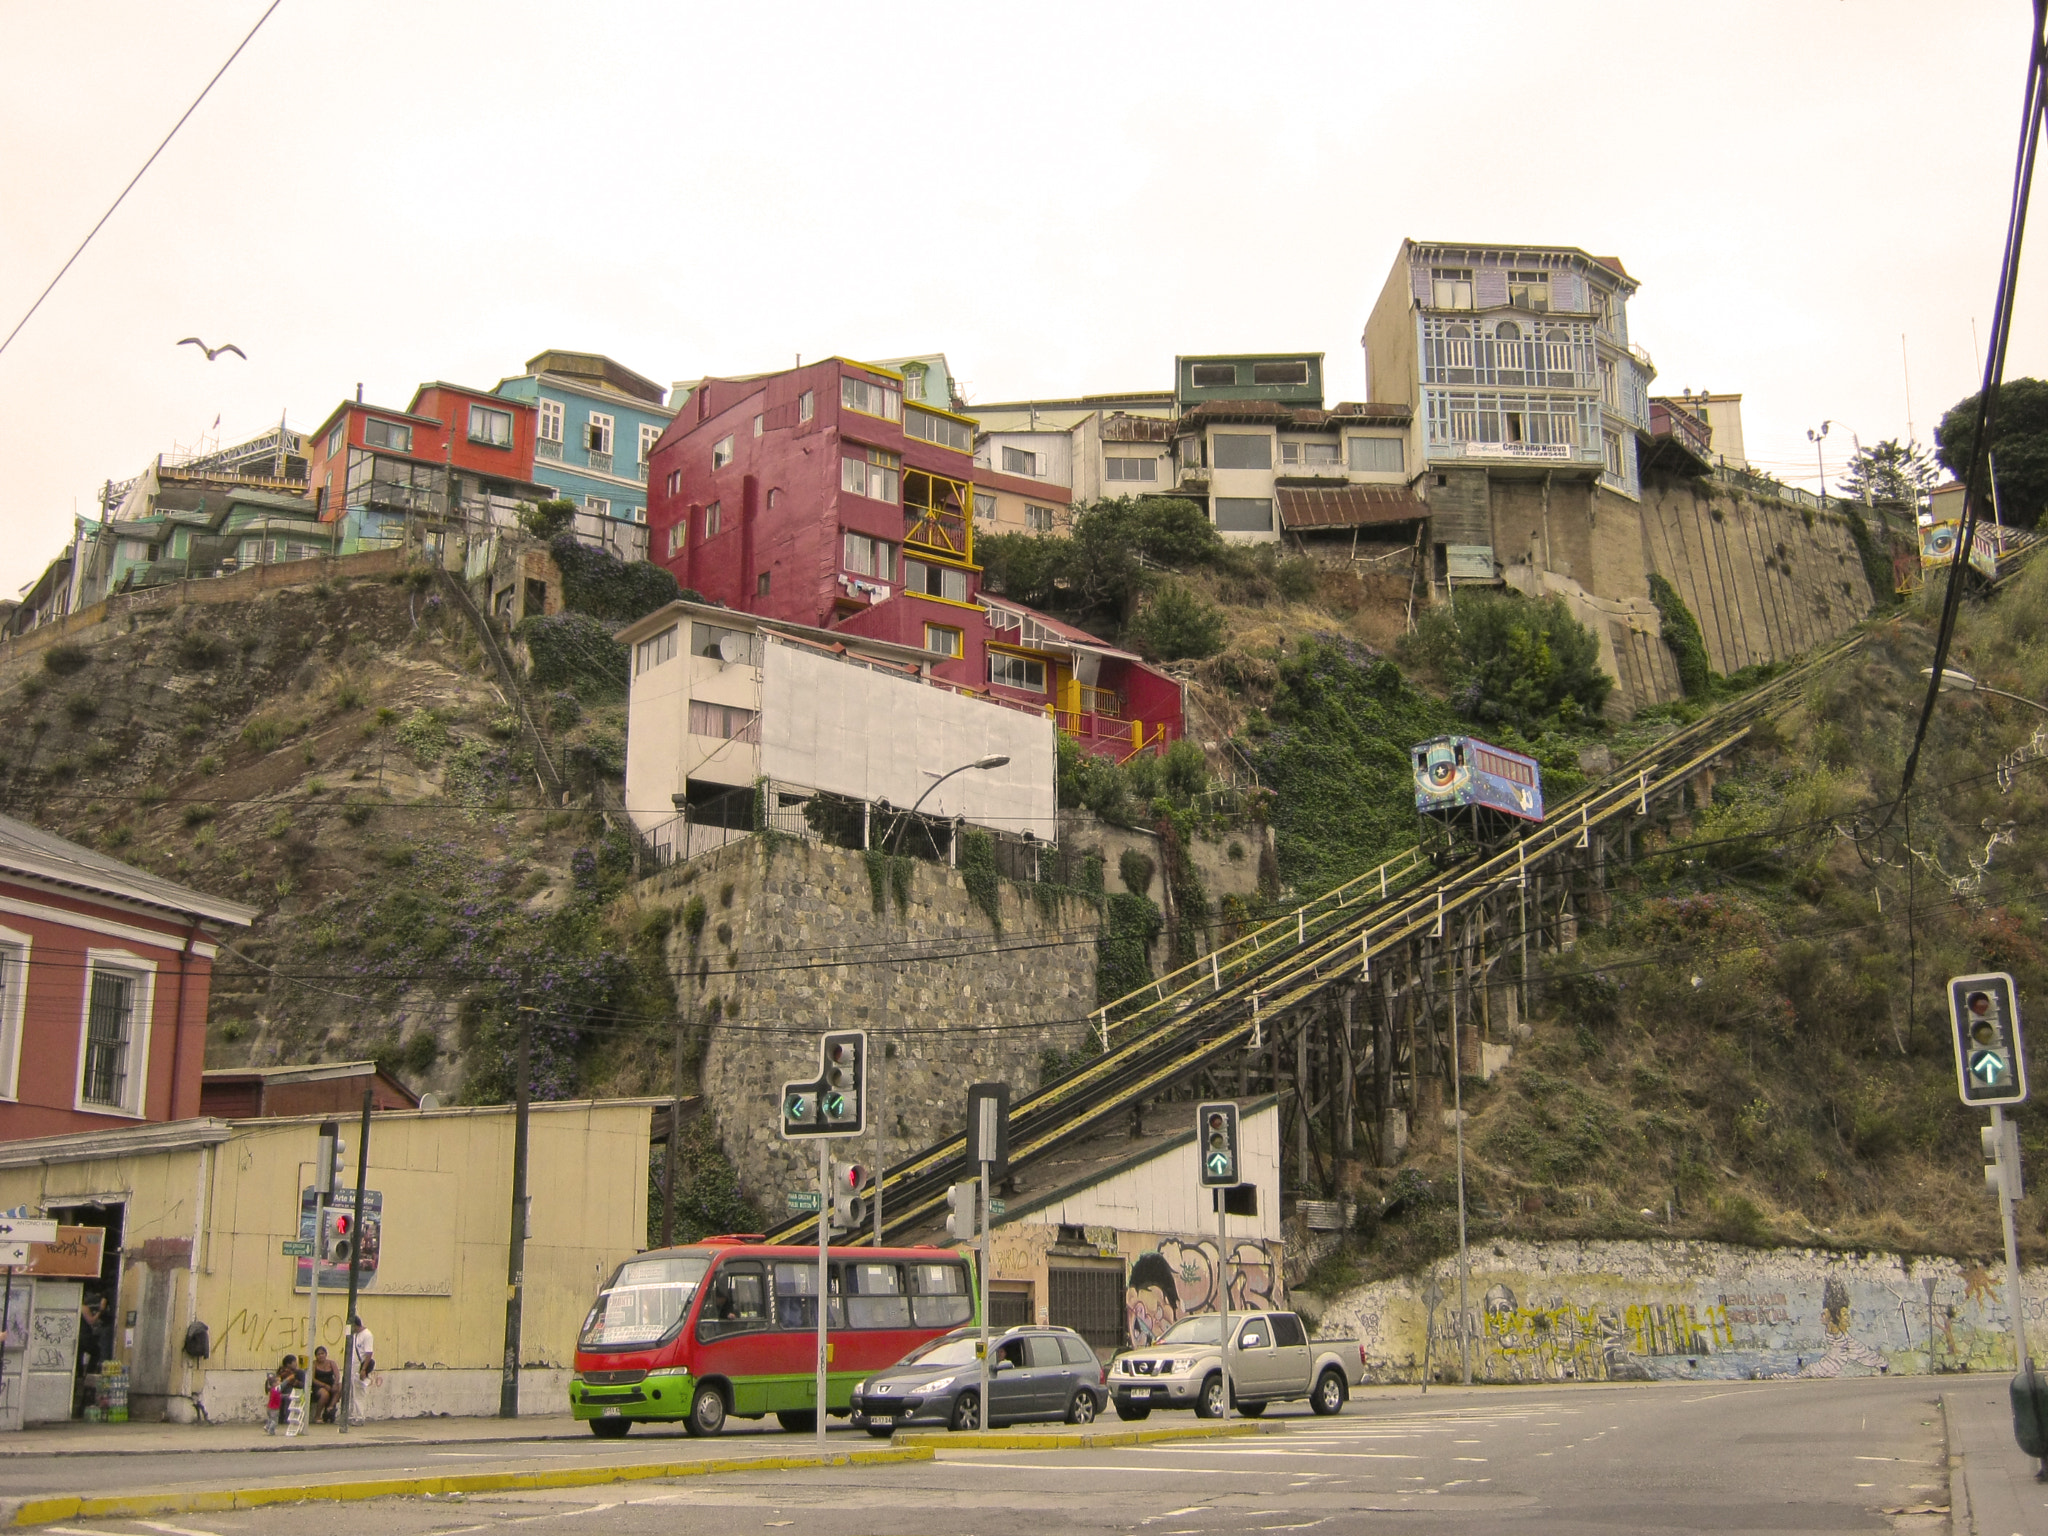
x=1308 y=453
x=601 y=505
x=737 y=1301
x=336 y=438
x=938 y=1295
x=714 y=518
x=652 y=653
x=643 y=1303
x=678 y=536
x=1039 y=519
x=724 y=722
x=650 y=434
x=984 y=507
x=721 y=452
x=869 y=557
x=1287 y=1329
x=388 y=434
x=551 y=421
x=1243 y=450
x=1244 y=514
x=1212 y=375
x=597 y=433
x=1130 y=469
x=109 y=1034
x=875 y=1297
x=1043 y=1349
x=1451 y=287
x=1375 y=455
x=1077 y=1351
x=1254 y=1334
x=806 y=405
x=709 y=640
x=872 y=473
x=947 y=642
x=870 y=399
x=1280 y=373
x=935 y=580
x=943 y=430
x=1019 y=461
x=489 y=427
x=796 y=1296
x=1010 y=671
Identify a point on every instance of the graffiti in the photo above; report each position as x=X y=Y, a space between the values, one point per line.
x=1179 y=1279
x=53 y=1344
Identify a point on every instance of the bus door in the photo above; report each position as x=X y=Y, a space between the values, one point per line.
x=730 y=1321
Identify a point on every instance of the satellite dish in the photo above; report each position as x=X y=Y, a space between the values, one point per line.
x=732 y=648
x=430 y=1101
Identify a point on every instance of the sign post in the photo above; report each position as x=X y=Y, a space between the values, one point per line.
x=1991 y=1070
x=1216 y=1145
x=323 y=1187
x=988 y=1146
x=831 y=1104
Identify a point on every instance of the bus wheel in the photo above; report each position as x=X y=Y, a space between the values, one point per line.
x=610 y=1429
x=798 y=1421
x=707 y=1412
x=966 y=1411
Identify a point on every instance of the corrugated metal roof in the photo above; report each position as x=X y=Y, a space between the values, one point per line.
x=1346 y=506
x=31 y=851
x=1372 y=413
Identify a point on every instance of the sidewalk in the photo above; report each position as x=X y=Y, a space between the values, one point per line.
x=1992 y=1488
x=81 y=1439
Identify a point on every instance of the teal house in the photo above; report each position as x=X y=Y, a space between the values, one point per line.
x=598 y=422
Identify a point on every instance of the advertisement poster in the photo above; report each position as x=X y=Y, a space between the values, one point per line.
x=369 y=1233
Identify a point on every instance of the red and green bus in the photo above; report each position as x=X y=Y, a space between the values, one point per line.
x=729 y=1327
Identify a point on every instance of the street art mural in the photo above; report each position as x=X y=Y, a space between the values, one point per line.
x=1692 y=1311
x=1180 y=1278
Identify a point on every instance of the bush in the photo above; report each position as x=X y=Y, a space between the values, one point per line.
x=65 y=658
x=1680 y=631
x=265 y=733
x=1512 y=659
x=1176 y=625
x=81 y=707
x=197 y=814
x=574 y=653
x=549 y=520
x=1135 y=870
x=199 y=649
x=425 y=736
x=355 y=812
x=605 y=587
x=1099 y=569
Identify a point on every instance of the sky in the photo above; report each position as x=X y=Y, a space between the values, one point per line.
x=1060 y=198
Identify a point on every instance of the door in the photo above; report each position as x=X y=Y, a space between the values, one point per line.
x=1009 y=1380
x=1251 y=1363
x=1290 y=1353
x=730 y=1324
x=1051 y=1377
x=1088 y=1299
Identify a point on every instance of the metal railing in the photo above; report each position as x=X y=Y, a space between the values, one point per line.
x=547 y=448
x=600 y=462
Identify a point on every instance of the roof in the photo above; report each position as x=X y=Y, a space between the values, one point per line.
x=732 y=618
x=315 y=1072
x=1349 y=413
x=1346 y=506
x=597 y=369
x=1057 y=630
x=1611 y=263
x=27 y=850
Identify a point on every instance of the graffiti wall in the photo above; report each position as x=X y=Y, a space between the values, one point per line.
x=1688 y=1311
x=1160 y=1277
x=1182 y=1276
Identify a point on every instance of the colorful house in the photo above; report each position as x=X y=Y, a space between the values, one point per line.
x=822 y=496
x=596 y=422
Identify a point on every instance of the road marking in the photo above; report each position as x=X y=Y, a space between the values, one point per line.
x=1711 y=1396
x=1480 y=1459
x=174 y=1530
x=1877 y=1458
x=1192 y=1509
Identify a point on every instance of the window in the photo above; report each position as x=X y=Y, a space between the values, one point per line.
x=806 y=405
x=774 y=498
x=947 y=642
x=597 y=433
x=1018 y=461
x=652 y=653
x=336 y=438
x=650 y=434
x=1077 y=1351
x=110 y=1074
x=1529 y=290
x=1254 y=1335
x=870 y=399
x=1243 y=450
x=1287 y=1330
x=1212 y=375
x=875 y=1297
x=761 y=585
x=869 y=557
x=709 y=640
x=678 y=536
x=984 y=507
x=1009 y=671
x=714 y=516
x=873 y=474
x=1038 y=519
x=757 y=424
x=938 y=1295
x=737 y=1301
x=1451 y=287
x=1244 y=514
x=796 y=1297
x=388 y=434
x=636 y=514
x=1308 y=453
x=724 y=722
x=1130 y=469
x=943 y=430
x=551 y=421
x=935 y=580
x=1280 y=373
x=674 y=483
x=1375 y=455
x=491 y=428
x=1612 y=443
x=598 y=504
x=721 y=452
x=13 y=988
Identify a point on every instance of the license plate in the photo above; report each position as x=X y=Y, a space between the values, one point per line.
x=1137 y=1392
x=611 y=1413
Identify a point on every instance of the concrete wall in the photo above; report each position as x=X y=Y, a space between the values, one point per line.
x=792 y=946
x=1634 y=1311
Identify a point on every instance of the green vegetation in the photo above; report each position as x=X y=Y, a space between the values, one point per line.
x=1681 y=633
x=65 y=658
x=600 y=584
x=574 y=653
x=1512 y=660
x=1176 y=624
x=549 y=520
x=708 y=1198
x=2019 y=441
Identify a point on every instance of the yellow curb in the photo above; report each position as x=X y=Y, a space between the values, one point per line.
x=131 y=1506
x=1084 y=1440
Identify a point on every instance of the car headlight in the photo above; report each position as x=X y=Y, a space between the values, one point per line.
x=936 y=1384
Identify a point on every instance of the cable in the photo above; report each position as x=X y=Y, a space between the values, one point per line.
x=274 y=4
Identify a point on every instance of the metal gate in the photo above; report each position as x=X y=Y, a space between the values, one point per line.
x=1088 y=1300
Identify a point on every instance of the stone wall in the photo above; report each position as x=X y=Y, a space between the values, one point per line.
x=792 y=945
x=1228 y=866
x=1640 y=1311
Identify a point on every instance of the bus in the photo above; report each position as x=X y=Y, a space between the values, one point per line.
x=728 y=1327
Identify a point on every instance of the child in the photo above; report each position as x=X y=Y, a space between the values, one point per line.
x=273 y=1403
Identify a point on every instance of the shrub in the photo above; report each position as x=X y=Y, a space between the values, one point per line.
x=1297 y=578
x=197 y=814
x=209 y=765
x=280 y=823
x=605 y=587
x=198 y=648
x=65 y=658
x=33 y=686
x=1681 y=632
x=356 y=811
x=1135 y=870
x=81 y=707
x=1176 y=624
x=151 y=794
x=573 y=652
x=1512 y=659
x=348 y=696
x=549 y=519
x=264 y=733
x=425 y=736
x=564 y=711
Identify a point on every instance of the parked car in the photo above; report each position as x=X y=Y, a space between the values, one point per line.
x=1272 y=1360
x=1034 y=1373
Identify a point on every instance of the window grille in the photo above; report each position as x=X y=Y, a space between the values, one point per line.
x=109 y=1023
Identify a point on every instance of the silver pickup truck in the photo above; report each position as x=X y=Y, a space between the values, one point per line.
x=1272 y=1360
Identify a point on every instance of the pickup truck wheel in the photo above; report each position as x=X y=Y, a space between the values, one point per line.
x=1251 y=1410
x=1209 y=1401
x=1329 y=1395
x=1129 y=1412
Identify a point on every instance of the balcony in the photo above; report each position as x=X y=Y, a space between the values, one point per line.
x=1194 y=477
x=600 y=462
x=936 y=512
x=1678 y=440
x=547 y=448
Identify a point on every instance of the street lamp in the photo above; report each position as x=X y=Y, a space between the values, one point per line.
x=1953 y=681
x=993 y=760
x=1815 y=438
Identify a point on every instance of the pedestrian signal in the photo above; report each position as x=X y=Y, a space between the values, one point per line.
x=960 y=1212
x=1991 y=1065
x=1216 y=1143
x=338 y=1238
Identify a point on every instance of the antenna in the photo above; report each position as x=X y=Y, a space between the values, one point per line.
x=1907 y=370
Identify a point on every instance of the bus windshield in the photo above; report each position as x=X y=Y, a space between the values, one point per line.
x=644 y=1302
x=1206 y=1329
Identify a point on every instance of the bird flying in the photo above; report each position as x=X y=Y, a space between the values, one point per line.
x=213 y=352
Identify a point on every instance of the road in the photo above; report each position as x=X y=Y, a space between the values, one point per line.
x=1666 y=1458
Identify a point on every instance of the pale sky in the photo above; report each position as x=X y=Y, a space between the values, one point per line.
x=1060 y=197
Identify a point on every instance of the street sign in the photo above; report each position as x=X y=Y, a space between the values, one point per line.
x=988 y=1126
x=806 y=1200
x=13 y=1229
x=1991 y=1062
x=997 y=1208
x=13 y=1255
x=296 y=1248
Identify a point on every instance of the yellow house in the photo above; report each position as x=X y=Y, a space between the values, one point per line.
x=195 y=1212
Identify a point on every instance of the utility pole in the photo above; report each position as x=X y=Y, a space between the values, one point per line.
x=323 y=1187
x=1458 y=1122
x=515 y=1264
x=355 y=1259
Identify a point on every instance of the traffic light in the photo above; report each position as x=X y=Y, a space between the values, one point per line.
x=849 y=1195
x=2001 y=1145
x=1216 y=1141
x=829 y=1104
x=1991 y=1064
x=960 y=1212
x=337 y=1237
x=327 y=1159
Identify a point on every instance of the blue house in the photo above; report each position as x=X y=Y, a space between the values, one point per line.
x=598 y=424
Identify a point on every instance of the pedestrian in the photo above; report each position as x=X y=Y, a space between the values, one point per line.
x=92 y=1333
x=326 y=1381
x=289 y=1380
x=362 y=1345
x=273 y=1403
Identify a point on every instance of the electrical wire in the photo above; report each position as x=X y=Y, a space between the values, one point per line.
x=274 y=4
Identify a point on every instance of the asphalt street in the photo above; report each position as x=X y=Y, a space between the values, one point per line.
x=1845 y=1455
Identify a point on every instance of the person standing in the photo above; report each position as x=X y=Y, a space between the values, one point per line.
x=362 y=1352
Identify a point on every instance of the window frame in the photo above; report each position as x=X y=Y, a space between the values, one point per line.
x=880 y=552
x=721 y=452
x=1265 y=501
x=1124 y=467
x=388 y=427
x=1351 y=455
x=490 y=416
x=806 y=406
x=1217 y=451
x=719 y=722
x=17 y=951
x=656 y=649
x=600 y=505
x=602 y=425
x=1022 y=458
x=876 y=467
x=1040 y=519
x=714 y=519
x=141 y=974
x=550 y=413
x=854 y=396
x=337 y=439
x=650 y=434
x=958 y=650
x=945 y=432
x=1275 y=366
x=1009 y=660
x=1196 y=381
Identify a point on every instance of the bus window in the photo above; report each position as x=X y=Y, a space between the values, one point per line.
x=737 y=1303
x=796 y=1297
x=876 y=1298
x=644 y=1303
x=938 y=1295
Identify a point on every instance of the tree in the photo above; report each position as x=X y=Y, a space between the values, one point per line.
x=1522 y=661
x=1176 y=625
x=1889 y=471
x=543 y=522
x=2019 y=442
x=1098 y=572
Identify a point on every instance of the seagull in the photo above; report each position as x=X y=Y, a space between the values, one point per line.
x=213 y=352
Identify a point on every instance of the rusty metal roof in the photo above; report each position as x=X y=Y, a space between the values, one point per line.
x=1346 y=506
x=1373 y=413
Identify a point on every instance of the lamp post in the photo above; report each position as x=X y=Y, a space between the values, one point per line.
x=1815 y=438
x=1953 y=681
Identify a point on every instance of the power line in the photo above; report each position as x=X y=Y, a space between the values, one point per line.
x=274 y=4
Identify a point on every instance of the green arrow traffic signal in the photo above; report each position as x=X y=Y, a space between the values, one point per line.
x=1219 y=1164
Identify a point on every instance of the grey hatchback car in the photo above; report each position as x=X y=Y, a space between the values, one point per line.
x=1034 y=1373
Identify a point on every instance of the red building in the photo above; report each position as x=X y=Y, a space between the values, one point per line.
x=821 y=496
x=453 y=452
x=328 y=1088
x=104 y=976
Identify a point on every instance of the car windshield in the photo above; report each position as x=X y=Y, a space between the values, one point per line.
x=946 y=1351
x=644 y=1302
x=1206 y=1329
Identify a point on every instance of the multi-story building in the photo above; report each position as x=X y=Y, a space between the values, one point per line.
x=596 y=422
x=455 y=456
x=1090 y=445
x=1516 y=365
x=822 y=496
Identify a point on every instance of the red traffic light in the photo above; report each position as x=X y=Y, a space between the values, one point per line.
x=855 y=1176
x=341 y=1226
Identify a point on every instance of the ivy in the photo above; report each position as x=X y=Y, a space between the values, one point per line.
x=1877 y=565
x=1681 y=632
x=978 y=871
x=605 y=587
x=889 y=873
x=574 y=653
x=1122 y=965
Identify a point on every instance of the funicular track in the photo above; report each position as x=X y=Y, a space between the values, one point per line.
x=1194 y=1018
